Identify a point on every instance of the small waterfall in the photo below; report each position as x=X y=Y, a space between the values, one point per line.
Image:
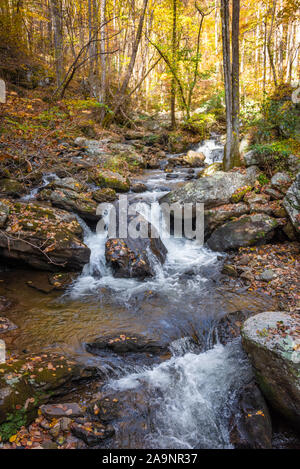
x=191 y=396
x=212 y=150
x=47 y=178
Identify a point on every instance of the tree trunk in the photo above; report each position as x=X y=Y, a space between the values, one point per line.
x=174 y=51
x=235 y=152
x=102 y=90
x=227 y=80
x=56 y=14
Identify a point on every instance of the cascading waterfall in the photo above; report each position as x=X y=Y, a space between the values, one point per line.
x=190 y=394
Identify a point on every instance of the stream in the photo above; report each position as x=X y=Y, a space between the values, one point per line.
x=188 y=394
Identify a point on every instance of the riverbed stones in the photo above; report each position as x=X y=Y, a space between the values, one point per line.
x=248 y=230
x=219 y=215
x=92 y=433
x=42 y=237
x=28 y=382
x=212 y=190
x=136 y=257
x=72 y=201
x=110 y=179
x=11 y=187
x=252 y=426
x=126 y=343
x=267 y=275
x=51 y=411
x=291 y=204
x=6 y=325
x=194 y=159
x=272 y=341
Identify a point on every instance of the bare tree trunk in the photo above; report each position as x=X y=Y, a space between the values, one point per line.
x=227 y=80
x=102 y=90
x=269 y=44
x=174 y=51
x=56 y=14
x=235 y=153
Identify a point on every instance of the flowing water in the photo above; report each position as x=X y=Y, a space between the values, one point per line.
x=189 y=395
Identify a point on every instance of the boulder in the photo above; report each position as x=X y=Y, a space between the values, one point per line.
x=28 y=382
x=281 y=182
x=126 y=343
x=110 y=179
x=212 y=190
x=249 y=230
x=43 y=237
x=138 y=187
x=291 y=204
x=194 y=159
x=104 y=195
x=210 y=170
x=11 y=187
x=135 y=257
x=250 y=158
x=293 y=163
x=252 y=426
x=71 y=201
x=217 y=216
x=272 y=341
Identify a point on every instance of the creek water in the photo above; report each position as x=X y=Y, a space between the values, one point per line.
x=189 y=394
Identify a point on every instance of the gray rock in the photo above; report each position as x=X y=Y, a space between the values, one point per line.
x=291 y=204
x=71 y=201
x=294 y=164
x=4 y=212
x=212 y=191
x=246 y=231
x=272 y=342
x=210 y=170
x=281 y=182
x=267 y=275
x=219 y=215
x=252 y=173
x=250 y=158
x=43 y=237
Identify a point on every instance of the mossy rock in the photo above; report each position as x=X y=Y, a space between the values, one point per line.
x=11 y=187
x=240 y=193
x=104 y=195
x=28 y=382
x=111 y=180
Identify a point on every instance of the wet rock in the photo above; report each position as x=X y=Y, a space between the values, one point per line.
x=291 y=204
x=272 y=342
x=125 y=343
x=68 y=183
x=267 y=275
x=246 y=231
x=6 y=325
x=11 y=187
x=194 y=159
x=5 y=303
x=132 y=257
x=138 y=188
x=212 y=190
x=230 y=270
x=252 y=426
x=153 y=163
x=172 y=176
x=61 y=280
x=71 y=201
x=104 y=195
x=229 y=326
x=281 y=182
x=92 y=433
x=28 y=382
x=111 y=180
x=51 y=411
x=43 y=237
